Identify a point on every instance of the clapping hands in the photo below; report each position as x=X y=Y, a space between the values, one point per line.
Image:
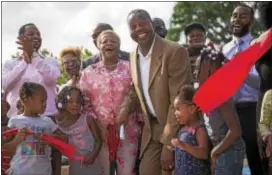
x=26 y=45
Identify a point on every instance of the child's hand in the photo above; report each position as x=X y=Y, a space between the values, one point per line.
x=75 y=79
x=122 y=117
x=38 y=137
x=268 y=140
x=214 y=156
x=60 y=135
x=21 y=135
x=88 y=159
x=176 y=142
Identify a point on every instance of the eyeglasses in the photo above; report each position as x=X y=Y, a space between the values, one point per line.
x=71 y=61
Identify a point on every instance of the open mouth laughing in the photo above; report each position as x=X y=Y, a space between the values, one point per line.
x=237 y=27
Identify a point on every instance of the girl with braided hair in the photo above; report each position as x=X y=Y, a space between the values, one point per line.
x=32 y=156
x=82 y=132
x=222 y=123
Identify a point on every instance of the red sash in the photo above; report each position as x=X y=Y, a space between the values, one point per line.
x=224 y=83
x=67 y=149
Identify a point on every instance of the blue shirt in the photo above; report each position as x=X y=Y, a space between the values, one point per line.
x=250 y=89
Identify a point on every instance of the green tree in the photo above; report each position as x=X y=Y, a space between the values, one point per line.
x=215 y=17
x=45 y=52
x=16 y=55
x=85 y=53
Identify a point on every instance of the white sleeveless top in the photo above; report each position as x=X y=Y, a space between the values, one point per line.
x=81 y=137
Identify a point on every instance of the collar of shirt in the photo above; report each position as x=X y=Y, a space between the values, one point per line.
x=230 y=48
x=245 y=39
x=149 y=52
x=34 y=55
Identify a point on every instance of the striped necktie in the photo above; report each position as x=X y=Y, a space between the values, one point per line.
x=239 y=47
x=231 y=75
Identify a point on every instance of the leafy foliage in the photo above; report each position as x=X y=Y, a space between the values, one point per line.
x=215 y=17
x=16 y=55
x=85 y=53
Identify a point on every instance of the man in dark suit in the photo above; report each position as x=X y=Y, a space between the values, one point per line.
x=100 y=27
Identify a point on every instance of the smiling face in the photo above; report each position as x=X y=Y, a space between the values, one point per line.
x=109 y=44
x=240 y=21
x=184 y=112
x=71 y=64
x=196 y=36
x=33 y=34
x=74 y=103
x=141 y=28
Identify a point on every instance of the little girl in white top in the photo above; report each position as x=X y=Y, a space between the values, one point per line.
x=33 y=157
x=82 y=132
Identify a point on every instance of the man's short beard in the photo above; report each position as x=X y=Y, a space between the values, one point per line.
x=243 y=32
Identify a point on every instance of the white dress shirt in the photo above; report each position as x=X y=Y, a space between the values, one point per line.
x=144 y=65
x=250 y=89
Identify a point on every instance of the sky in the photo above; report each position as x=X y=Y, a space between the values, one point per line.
x=65 y=24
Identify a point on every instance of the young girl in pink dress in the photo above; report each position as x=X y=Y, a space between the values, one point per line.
x=82 y=132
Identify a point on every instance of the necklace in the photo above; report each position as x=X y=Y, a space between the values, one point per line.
x=110 y=65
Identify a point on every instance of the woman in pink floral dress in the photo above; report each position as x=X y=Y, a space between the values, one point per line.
x=105 y=86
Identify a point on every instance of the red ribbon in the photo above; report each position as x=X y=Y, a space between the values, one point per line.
x=113 y=142
x=67 y=149
x=10 y=132
x=224 y=83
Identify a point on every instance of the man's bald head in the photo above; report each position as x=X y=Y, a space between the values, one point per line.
x=159 y=27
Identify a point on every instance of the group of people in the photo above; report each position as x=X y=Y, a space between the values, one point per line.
x=149 y=93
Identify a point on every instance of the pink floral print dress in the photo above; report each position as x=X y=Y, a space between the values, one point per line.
x=104 y=91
